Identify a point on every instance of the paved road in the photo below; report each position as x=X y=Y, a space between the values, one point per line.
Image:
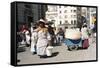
x=61 y=54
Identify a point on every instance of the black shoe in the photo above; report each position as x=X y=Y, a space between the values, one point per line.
x=27 y=45
x=34 y=53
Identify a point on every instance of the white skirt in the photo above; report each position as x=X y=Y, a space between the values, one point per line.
x=41 y=50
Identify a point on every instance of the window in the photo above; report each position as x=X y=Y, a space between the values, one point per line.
x=66 y=27
x=74 y=11
x=65 y=16
x=27 y=6
x=71 y=21
x=60 y=22
x=65 y=11
x=66 y=21
x=71 y=10
x=74 y=16
x=75 y=22
x=59 y=6
x=60 y=12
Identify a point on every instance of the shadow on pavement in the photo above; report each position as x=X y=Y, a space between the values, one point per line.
x=21 y=49
x=80 y=48
x=57 y=44
x=54 y=54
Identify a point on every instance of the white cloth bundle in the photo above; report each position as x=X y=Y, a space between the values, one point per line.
x=49 y=50
x=72 y=34
x=27 y=37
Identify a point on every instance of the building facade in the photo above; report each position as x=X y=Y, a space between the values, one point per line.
x=30 y=13
x=62 y=14
x=89 y=13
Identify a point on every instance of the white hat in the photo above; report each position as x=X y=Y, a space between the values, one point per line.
x=42 y=20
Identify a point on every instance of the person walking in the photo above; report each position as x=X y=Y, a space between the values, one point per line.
x=60 y=35
x=52 y=34
x=43 y=39
x=34 y=38
x=85 y=36
x=84 y=32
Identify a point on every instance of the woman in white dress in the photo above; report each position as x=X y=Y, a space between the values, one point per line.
x=43 y=40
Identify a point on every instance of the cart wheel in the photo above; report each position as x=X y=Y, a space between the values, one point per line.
x=74 y=47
